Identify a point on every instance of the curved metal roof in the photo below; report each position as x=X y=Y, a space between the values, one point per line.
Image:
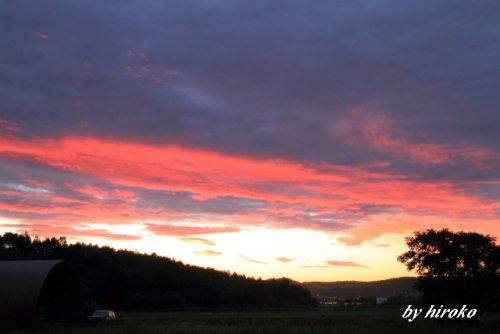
x=20 y=285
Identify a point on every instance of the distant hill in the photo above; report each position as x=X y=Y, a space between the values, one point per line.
x=123 y=279
x=392 y=288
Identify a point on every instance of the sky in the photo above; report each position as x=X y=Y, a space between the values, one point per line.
x=270 y=138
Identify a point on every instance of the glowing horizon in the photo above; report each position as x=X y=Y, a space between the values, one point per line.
x=108 y=192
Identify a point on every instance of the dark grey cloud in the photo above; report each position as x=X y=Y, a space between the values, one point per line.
x=184 y=201
x=489 y=193
x=30 y=216
x=272 y=79
x=342 y=218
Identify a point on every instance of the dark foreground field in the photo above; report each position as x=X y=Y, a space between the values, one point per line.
x=336 y=321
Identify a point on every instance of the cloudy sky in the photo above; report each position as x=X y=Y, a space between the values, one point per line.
x=272 y=138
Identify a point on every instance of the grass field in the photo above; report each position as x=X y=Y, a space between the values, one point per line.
x=337 y=321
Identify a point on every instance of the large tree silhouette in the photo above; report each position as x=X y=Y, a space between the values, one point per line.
x=455 y=269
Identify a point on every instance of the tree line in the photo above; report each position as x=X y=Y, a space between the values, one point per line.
x=122 y=279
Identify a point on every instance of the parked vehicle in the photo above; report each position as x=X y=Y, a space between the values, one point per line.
x=102 y=316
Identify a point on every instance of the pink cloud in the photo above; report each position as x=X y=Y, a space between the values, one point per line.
x=271 y=192
x=41 y=36
x=334 y=263
x=366 y=128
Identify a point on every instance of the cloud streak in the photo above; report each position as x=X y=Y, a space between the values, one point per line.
x=208 y=252
x=335 y=263
x=251 y=260
x=197 y=240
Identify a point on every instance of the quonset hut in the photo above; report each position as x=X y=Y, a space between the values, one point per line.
x=40 y=290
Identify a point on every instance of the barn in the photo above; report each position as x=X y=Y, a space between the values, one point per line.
x=38 y=290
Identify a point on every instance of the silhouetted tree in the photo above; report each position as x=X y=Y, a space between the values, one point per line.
x=455 y=269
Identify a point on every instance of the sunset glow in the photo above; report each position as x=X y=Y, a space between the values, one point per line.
x=260 y=157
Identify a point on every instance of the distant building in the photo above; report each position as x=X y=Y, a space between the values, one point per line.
x=381 y=300
x=328 y=301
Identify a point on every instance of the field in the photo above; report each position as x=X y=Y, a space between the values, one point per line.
x=338 y=321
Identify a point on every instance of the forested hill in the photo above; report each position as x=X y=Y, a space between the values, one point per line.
x=123 y=279
x=394 y=287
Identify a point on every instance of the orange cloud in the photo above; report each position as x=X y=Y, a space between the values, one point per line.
x=251 y=260
x=196 y=240
x=334 y=263
x=208 y=252
x=71 y=232
x=284 y=259
x=177 y=230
